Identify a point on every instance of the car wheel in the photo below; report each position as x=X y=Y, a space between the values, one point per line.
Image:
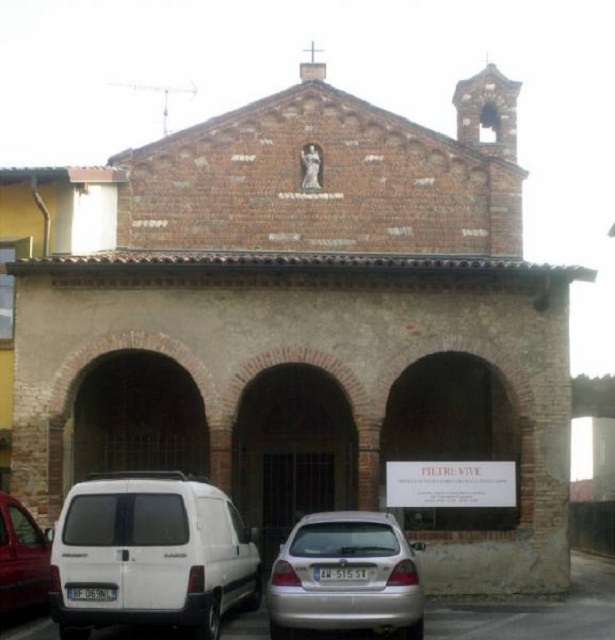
x=253 y=602
x=280 y=633
x=415 y=631
x=74 y=633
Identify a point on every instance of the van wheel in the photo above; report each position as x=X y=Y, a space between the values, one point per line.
x=74 y=633
x=211 y=630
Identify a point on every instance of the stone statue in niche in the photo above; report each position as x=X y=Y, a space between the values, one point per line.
x=311 y=161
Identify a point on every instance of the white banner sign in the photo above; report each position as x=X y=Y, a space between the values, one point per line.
x=451 y=484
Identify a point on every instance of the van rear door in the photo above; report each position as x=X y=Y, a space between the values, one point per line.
x=157 y=569
x=90 y=552
x=126 y=550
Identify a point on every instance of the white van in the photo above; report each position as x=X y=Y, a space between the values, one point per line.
x=152 y=549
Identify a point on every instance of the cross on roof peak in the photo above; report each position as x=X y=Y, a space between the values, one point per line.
x=313 y=50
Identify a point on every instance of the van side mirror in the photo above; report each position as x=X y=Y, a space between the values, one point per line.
x=49 y=534
x=418 y=546
x=255 y=534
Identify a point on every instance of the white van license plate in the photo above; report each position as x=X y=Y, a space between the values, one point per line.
x=94 y=594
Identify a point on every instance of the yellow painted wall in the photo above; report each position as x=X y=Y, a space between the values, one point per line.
x=19 y=215
x=19 y=218
x=6 y=388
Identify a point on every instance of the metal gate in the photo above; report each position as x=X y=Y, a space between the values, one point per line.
x=277 y=483
x=294 y=484
x=144 y=452
x=592 y=527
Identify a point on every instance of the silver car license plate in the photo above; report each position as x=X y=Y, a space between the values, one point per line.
x=324 y=574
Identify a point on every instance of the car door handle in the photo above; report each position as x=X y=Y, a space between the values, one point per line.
x=123 y=555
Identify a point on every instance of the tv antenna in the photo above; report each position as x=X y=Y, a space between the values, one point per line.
x=166 y=89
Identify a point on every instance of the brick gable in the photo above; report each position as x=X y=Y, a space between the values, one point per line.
x=388 y=185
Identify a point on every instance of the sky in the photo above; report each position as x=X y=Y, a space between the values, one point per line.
x=83 y=80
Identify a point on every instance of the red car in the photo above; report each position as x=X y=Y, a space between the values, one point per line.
x=24 y=557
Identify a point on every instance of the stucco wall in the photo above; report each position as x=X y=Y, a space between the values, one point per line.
x=224 y=336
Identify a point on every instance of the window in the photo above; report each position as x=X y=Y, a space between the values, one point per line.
x=240 y=529
x=344 y=539
x=129 y=520
x=91 y=521
x=490 y=124
x=7 y=294
x=10 y=251
x=159 y=520
x=24 y=529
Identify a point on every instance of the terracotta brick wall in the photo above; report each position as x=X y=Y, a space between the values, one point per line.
x=387 y=185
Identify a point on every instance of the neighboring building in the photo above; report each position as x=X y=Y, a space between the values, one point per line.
x=582 y=490
x=604 y=458
x=301 y=291
x=604 y=446
x=70 y=209
x=592 y=508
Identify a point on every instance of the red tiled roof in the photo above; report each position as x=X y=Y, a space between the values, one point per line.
x=210 y=260
x=11 y=175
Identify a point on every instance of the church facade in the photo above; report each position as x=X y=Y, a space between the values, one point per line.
x=301 y=292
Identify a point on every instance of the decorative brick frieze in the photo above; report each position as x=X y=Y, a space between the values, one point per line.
x=420 y=177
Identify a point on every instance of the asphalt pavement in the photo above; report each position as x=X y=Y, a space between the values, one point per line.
x=587 y=613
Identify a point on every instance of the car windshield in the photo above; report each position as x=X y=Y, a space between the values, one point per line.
x=345 y=539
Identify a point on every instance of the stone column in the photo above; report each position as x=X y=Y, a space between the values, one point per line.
x=55 y=473
x=528 y=467
x=221 y=457
x=29 y=466
x=368 y=464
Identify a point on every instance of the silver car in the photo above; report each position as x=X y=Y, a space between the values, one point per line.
x=347 y=570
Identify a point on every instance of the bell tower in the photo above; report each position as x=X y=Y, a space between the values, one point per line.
x=487 y=113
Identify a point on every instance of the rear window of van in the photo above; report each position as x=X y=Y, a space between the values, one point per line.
x=142 y=519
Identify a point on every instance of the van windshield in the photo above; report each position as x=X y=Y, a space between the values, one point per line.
x=144 y=519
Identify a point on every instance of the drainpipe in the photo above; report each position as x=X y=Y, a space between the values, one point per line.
x=41 y=205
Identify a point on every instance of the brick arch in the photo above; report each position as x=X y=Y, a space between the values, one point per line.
x=513 y=377
x=342 y=374
x=77 y=364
